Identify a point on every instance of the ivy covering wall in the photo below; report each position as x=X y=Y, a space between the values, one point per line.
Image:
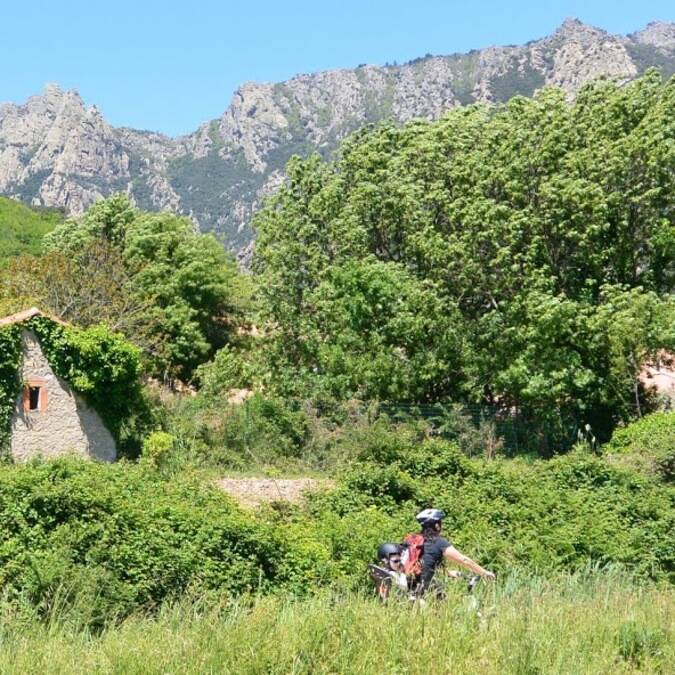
x=97 y=363
x=10 y=360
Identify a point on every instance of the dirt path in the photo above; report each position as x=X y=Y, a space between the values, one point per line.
x=255 y=491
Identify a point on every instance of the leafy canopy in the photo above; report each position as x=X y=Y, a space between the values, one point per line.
x=522 y=254
x=172 y=291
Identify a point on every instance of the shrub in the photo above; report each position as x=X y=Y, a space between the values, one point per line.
x=157 y=448
x=559 y=514
x=116 y=538
x=647 y=445
x=109 y=539
x=262 y=430
x=10 y=357
x=226 y=371
x=666 y=467
x=655 y=432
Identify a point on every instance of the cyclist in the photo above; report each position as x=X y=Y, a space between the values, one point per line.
x=436 y=549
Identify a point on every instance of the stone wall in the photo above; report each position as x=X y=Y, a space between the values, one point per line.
x=67 y=425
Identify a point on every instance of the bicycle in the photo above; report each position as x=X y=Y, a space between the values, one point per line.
x=388 y=581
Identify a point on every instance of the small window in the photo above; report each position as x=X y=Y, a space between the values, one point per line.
x=34 y=398
x=35 y=395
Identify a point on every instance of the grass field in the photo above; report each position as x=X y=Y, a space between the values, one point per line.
x=599 y=623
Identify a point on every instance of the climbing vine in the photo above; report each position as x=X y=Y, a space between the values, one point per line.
x=10 y=360
x=96 y=362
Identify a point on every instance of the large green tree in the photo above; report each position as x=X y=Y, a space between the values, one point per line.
x=540 y=225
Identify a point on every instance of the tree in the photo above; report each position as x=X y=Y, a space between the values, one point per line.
x=85 y=290
x=174 y=292
x=518 y=218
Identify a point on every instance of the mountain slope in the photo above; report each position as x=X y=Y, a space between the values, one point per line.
x=54 y=151
x=22 y=229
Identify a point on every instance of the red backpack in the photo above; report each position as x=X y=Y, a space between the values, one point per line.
x=411 y=558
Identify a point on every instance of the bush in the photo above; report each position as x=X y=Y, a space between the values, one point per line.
x=637 y=642
x=646 y=445
x=655 y=432
x=105 y=540
x=157 y=448
x=115 y=538
x=225 y=372
x=260 y=431
x=546 y=515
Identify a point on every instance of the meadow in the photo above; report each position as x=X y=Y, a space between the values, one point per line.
x=597 y=621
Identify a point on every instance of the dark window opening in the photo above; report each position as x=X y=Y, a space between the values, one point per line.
x=33 y=398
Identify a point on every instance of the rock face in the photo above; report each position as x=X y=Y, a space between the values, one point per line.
x=54 y=151
x=62 y=422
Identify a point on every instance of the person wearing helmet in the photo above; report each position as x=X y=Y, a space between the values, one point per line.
x=437 y=548
x=389 y=556
x=390 y=573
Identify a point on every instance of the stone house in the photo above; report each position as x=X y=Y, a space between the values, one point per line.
x=49 y=418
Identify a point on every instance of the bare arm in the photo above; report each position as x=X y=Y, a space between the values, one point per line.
x=455 y=556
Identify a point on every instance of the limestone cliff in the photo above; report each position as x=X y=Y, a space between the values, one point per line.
x=55 y=151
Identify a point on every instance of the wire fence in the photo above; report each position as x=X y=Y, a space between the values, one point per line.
x=515 y=431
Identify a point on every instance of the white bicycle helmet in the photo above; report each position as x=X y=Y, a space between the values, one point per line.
x=429 y=516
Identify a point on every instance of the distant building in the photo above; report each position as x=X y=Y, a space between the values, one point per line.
x=50 y=419
x=659 y=375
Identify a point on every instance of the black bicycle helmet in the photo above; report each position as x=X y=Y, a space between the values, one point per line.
x=429 y=517
x=385 y=550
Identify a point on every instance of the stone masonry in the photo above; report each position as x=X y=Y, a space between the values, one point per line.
x=64 y=425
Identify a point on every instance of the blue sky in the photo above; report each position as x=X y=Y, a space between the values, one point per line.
x=168 y=66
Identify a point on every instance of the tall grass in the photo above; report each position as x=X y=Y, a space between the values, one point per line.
x=600 y=623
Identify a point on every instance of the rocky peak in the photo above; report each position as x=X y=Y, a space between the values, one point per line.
x=579 y=53
x=54 y=101
x=252 y=123
x=658 y=34
x=574 y=30
x=56 y=144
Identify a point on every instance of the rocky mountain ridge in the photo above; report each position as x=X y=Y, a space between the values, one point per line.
x=55 y=151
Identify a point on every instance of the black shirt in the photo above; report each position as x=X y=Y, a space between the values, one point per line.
x=432 y=557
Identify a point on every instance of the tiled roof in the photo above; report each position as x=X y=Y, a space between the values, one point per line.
x=27 y=314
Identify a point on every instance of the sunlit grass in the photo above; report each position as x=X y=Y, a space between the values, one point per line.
x=598 y=623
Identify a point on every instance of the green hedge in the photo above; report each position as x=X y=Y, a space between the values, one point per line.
x=564 y=513
x=116 y=538
x=646 y=445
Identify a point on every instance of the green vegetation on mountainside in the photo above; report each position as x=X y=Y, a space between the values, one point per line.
x=22 y=228
x=646 y=56
x=215 y=188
